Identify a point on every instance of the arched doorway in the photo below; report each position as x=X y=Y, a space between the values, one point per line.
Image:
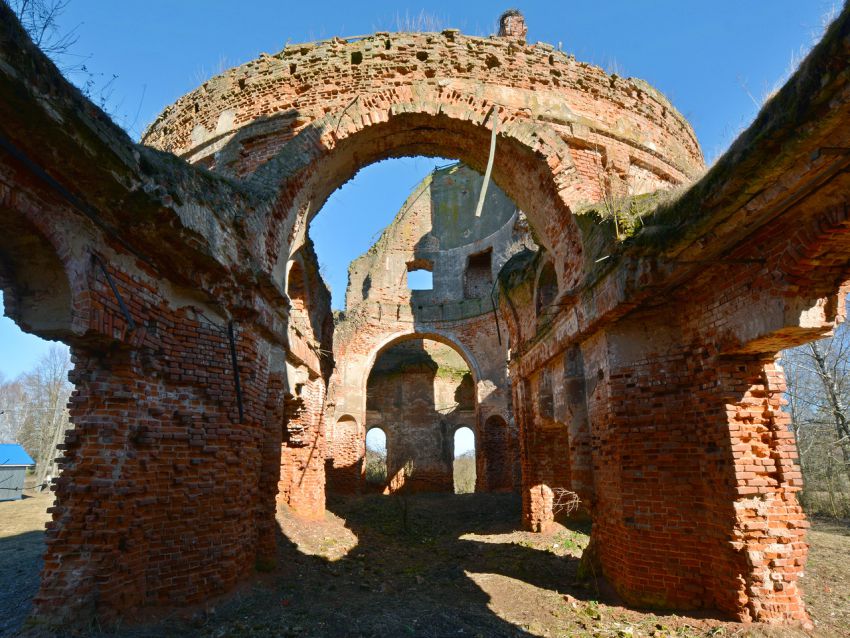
x=420 y=391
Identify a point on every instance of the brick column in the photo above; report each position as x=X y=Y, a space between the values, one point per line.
x=539 y=454
x=695 y=483
x=158 y=500
x=764 y=533
x=302 y=458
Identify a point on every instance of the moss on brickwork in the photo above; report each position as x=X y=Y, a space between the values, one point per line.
x=773 y=141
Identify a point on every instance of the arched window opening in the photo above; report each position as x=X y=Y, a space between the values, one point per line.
x=375 y=468
x=464 y=461
x=547 y=290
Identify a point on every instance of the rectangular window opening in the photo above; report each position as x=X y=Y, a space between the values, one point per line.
x=420 y=274
x=478 y=278
x=420 y=279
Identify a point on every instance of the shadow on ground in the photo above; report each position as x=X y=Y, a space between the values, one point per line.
x=420 y=565
x=20 y=566
x=445 y=566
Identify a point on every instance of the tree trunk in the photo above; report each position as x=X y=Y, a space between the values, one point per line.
x=838 y=411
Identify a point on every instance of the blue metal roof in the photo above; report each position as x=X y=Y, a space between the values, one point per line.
x=14 y=454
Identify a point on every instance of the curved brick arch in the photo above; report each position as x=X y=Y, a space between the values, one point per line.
x=46 y=271
x=532 y=165
x=304 y=121
x=388 y=341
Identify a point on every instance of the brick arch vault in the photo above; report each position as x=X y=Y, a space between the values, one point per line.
x=300 y=123
x=651 y=390
x=377 y=344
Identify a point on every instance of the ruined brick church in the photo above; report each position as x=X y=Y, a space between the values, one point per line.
x=608 y=324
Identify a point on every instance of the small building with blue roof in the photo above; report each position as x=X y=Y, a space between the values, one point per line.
x=14 y=462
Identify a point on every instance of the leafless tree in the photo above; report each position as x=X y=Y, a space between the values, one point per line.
x=818 y=376
x=40 y=19
x=34 y=410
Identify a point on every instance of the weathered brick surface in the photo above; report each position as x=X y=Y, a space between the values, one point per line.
x=282 y=118
x=435 y=229
x=679 y=448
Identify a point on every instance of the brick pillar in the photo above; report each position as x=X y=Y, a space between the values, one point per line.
x=346 y=464
x=496 y=455
x=158 y=499
x=270 y=473
x=302 y=458
x=763 y=531
x=537 y=458
x=571 y=408
x=530 y=497
x=695 y=484
x=553 y=411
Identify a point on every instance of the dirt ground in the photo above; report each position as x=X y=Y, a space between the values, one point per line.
x=429 y=566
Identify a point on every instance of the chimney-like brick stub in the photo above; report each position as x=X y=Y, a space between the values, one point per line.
x=512 y=25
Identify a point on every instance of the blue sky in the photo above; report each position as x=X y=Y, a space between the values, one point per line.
x=714 y=60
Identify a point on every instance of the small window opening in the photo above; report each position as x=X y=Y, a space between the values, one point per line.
x=356 y=57
x=547 y=290
x=420 y=274
x=478 y=279
x=464 y=461
x=420 y=280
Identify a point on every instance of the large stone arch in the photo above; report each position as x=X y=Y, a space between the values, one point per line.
x=434 y=334
x=523 y=168
x=300 y=123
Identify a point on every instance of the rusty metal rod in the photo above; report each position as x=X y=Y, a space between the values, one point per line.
x=121 y=305
x=232 y=338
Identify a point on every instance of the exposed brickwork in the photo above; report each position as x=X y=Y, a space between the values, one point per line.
x=437 y=228
x=302 y=463
x=419 y=393
x=676 y=445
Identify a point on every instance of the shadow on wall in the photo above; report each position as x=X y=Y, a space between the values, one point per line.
x=420 y=392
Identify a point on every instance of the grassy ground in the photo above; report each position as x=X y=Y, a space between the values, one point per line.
x=446 y=565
